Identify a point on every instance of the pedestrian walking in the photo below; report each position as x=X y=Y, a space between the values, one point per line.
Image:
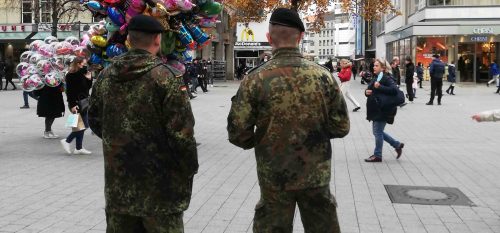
x=187 y=80
x=9 y=74
x=329 y=65
x=494 y=72
x=210 y=72
x=396 y=72
x=194 y=73
x=409 y=70
x=288 y=110
x=203 y=76
x=143 y=115
x=78 y=84
x=50 y=106
x=491 y=115
x=436 y=71
x=420 y=73
x=345 y=78
x=451 y=78
x=27 y=94
x=2 y=73
x=381 y=91
x=354 y=72
x=415 y=84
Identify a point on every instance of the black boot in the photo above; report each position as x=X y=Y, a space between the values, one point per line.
x=452 y=89
x=498 y=90
x=448 y=90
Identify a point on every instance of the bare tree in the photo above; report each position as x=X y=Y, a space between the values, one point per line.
x=60 y=11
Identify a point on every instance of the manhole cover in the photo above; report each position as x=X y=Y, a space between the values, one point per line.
x=426 y=195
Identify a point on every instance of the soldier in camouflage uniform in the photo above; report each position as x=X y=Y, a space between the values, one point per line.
x=288 y=109
x=140 y=108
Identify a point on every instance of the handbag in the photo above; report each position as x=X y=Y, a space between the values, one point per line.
x=80 y=125
x=72 y=120
x=83 y=104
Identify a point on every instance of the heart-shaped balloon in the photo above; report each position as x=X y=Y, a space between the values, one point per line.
x=116 y=16
x=96 y=7
x=211 y=9
x=98 y=41
x=115 y=50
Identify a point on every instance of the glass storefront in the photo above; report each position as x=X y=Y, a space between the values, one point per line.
x=472 y=58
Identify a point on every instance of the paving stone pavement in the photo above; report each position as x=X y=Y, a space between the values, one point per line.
x=44 y=190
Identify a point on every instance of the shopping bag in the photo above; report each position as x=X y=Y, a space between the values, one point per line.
x=80 y=125
x=72 y=120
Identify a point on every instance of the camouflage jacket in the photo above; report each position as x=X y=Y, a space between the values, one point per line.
x=144 y=117
x=289 y=109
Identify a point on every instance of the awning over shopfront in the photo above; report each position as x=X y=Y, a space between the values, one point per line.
x=471 y=30
x=21 y=32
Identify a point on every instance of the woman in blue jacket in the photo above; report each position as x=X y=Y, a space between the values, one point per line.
x=381 y=89
x=451 y=78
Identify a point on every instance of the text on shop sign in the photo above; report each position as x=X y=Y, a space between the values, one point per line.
x=483 y=31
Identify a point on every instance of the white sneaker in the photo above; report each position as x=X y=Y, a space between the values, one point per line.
x=53 y=135
x=46 y=135
x=65 y=146
x=82 y=152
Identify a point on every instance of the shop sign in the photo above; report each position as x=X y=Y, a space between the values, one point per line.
x=483 y=31
x=479 y=38
x=13 y=28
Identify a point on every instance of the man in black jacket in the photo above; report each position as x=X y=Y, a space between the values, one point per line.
x=395 y=71
x=410 y=69
x=436 y=71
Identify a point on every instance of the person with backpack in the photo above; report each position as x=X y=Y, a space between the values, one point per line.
x=381 y=109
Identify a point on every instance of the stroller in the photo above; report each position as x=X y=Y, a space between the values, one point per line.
x=366 y=77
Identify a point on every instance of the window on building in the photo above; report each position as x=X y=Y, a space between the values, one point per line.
x=324 y=52
x=463 y=2
x=311 y=51
x=320 y=52
x=397 y=6
x=331 y=51
x=311 y=35
x=327 y=43
x=27 y=11
x=45 y=11
x=320 y=42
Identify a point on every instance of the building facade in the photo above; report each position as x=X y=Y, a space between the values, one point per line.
x=466 y=33
x=335 y=40
x=18 y=28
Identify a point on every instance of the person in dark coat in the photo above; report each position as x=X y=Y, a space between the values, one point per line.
x=396 y=73
x=381 y=88
x=436 y=71
x=410 y=69
x=50 y=106
x=354 y=71
x=329 y=65
x=9 y=74
x=420 y=73
x=2 y=73
x=451 y=78
x=78 y=84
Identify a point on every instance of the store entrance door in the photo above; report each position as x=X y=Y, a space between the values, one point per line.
x=465 y=64
x=485 y=55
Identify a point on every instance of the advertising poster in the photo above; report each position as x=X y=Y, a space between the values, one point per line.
x=428 y=46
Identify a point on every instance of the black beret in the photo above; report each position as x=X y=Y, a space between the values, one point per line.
x=143 y=23
x=287 y=17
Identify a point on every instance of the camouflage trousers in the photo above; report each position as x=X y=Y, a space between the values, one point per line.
x=120 y=223
x=275 y=211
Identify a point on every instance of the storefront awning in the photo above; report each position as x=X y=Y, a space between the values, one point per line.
x=445 y=28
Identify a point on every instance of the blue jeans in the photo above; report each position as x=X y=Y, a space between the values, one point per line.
x=380 y=137
x=25 y=97
x=79 y=134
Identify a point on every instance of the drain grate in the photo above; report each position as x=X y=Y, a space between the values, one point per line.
x=427 y=195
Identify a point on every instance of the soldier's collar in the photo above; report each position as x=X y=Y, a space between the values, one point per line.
x=287 y=52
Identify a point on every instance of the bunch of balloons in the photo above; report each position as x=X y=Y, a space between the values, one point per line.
x=187 y=22
x=47 y=61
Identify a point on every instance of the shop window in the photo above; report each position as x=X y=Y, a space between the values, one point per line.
x=463 y=2
x=428 y=46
